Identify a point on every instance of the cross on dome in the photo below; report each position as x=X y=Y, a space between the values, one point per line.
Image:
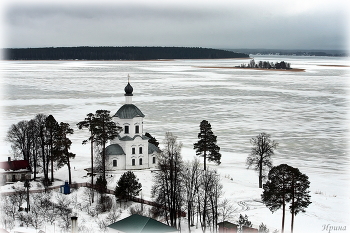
x=128 y=89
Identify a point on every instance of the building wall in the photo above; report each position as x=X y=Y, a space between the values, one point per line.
x=132 y=123
x=120 y=162
x=13 y=176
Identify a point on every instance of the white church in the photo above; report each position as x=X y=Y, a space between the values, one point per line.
x=131 y=149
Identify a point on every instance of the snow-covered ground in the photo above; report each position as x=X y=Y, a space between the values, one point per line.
x=306 y=112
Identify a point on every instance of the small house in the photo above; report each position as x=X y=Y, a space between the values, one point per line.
x=139 y=224
x=14 y=170
x=227 y=227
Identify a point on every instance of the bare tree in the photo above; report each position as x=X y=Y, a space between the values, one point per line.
x=167 y=188
x=260 y=156
x=191 y=177
x=226 y=209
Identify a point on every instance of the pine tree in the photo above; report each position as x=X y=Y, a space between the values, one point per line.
x=105 y=129
x=286 y=184
x=244 y=222
x=89 y=123
x=63 y=146
x=300 y=198
x=52 y=133
x=128 y=186
x=206 y=146
x=152 y=139
x=263 y=228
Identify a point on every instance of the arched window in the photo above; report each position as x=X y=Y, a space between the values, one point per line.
x=140 y=150
x=140 y=161
x=133 y=151
x=126 y=129
x=114 y=163
x=137 y=129
x=154 y=160
x=133 y=162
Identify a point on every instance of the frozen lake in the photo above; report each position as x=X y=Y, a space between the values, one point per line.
x=307 y=113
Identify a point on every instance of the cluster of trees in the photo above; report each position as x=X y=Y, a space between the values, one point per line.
x=102 y=129
x=44 y=143
x=267 y=65
x=117 y=53
x=179 y=185
x=284 y=183
x=55 y=209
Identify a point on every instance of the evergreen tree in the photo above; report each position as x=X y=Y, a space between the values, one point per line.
x=152 y=140
x=52 y=134
x=260 y=156
x=206 y=146
x=263 y=228
x=63 y=146
x=128 y=186
x=105 y=129
x=277 y=190
x=243 y=222
x=89 y=123
x=101 y=185
x=300 y=198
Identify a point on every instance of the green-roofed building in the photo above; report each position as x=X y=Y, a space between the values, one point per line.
x=131 y=149
x=140 y=224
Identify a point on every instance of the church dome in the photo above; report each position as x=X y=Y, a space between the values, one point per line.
x=128 y=90
x=128 y=111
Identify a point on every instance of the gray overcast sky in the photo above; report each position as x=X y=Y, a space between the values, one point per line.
x=275 y=24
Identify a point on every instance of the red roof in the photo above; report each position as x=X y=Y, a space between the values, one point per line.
x=14 y=165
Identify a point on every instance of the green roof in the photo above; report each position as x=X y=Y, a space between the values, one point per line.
x=128 y=138
x=152 y=148
x=228 y=225
x=128 y=111
x=114 y=149
x=140 y=224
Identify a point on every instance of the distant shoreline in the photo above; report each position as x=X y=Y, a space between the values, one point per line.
x=117 y=53
x=335 y=65
x=228 y=67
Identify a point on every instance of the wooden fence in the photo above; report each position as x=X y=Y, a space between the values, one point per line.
x=88 y=185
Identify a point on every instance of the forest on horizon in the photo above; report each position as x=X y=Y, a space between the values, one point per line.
x=117 y=53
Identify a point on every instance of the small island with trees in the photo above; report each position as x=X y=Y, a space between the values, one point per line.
x=267 y=65
x=261 y=65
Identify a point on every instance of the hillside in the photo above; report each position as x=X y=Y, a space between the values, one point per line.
x=117 y=53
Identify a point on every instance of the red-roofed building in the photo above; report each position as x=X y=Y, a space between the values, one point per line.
x=14 y=170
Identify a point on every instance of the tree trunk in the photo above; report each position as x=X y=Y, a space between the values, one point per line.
x=205 y=160
x=92 y=169
x=292 y=205
x=103 y=160
x=283 y=213
x=260 y=171
x=52 y=179
x=69 y=171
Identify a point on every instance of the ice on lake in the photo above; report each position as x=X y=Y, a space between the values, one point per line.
x=307 y=113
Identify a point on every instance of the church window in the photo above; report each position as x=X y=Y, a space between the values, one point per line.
x=133 y=162
x=140 y=160
x=126 y=129
x=114 y=163
x=137 y=129
x=133 y=151
x=154 y=160
x=140 y=150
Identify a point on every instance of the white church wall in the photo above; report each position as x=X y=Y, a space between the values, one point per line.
x=120 y=162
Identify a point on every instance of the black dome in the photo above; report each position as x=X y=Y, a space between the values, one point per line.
x=128 y=90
